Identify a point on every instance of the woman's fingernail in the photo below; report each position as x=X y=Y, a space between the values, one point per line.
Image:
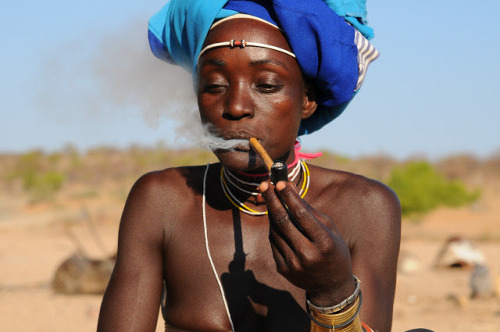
x=280 y=185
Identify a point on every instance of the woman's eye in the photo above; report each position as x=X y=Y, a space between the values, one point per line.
x=214 y=88
x=269 y=88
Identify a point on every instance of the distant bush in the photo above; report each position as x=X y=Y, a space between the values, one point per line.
x=43 y=186
x=421 y=188
x=34 y=170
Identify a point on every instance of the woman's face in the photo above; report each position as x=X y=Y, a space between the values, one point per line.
x=251 y=92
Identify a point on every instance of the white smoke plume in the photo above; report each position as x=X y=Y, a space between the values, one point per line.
x=118 y=73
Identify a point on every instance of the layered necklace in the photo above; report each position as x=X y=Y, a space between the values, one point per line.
x=228 y=177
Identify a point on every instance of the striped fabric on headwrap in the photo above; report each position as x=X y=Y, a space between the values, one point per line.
x=328 y=37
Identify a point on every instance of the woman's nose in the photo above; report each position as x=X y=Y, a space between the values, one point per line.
x=239 y=103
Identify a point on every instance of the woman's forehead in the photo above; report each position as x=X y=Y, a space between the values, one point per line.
x=249 y=30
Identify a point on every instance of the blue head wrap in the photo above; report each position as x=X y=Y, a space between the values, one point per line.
x=331 y=53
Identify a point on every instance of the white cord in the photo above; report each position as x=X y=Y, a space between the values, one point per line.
x=208 y=250
x=242 y=44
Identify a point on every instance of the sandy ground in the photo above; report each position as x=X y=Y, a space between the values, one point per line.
x=35 y=239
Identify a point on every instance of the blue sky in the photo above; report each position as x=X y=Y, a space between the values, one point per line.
x=80 y=73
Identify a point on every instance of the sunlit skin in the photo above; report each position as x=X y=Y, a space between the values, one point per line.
x=348 y=224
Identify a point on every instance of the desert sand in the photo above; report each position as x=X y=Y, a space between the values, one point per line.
x=35 y=237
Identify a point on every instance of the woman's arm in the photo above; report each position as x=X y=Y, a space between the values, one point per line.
x=131 y=301
x=311 y=253
x=375 y=253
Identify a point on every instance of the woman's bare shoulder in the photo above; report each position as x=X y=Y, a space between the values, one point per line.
x=166 y=193
x=171 y=181
x=366 y=211
x=364 y=197
x=354 y=186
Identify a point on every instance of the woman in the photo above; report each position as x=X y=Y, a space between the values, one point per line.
x=234 y=250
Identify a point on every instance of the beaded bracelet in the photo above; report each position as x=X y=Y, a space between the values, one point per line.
x=336 y=308
x=345 y=318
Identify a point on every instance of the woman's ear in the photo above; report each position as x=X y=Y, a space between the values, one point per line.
x=310 y=105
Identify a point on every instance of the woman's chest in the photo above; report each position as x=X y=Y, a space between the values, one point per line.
x=230 y=260
x=226 y=243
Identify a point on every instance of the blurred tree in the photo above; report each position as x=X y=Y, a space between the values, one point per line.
x=421 y=188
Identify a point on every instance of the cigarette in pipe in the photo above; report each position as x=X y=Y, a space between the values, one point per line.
x=260 y=149
x=278 y=170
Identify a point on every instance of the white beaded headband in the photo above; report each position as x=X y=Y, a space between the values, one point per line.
x=243 y=43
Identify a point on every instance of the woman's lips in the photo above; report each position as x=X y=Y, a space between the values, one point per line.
x=233 y=135
x=240 y=138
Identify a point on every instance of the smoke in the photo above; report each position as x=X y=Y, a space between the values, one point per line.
x=116 y=72
x=212 y=143
x=207 y=140
x=129 y=74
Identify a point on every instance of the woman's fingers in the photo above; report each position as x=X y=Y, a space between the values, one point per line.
x=279 y=216
x=298 y=213
x=289 y=215
x=307 y=249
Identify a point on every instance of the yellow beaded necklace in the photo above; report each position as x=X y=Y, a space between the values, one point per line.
x=244 y=208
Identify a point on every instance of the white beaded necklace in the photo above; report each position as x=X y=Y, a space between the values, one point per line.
x=244 y=208
x=232 y=178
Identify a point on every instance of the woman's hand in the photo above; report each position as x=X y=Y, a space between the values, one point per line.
x=308 y=250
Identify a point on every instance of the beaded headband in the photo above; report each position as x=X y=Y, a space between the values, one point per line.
x=243 y=43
